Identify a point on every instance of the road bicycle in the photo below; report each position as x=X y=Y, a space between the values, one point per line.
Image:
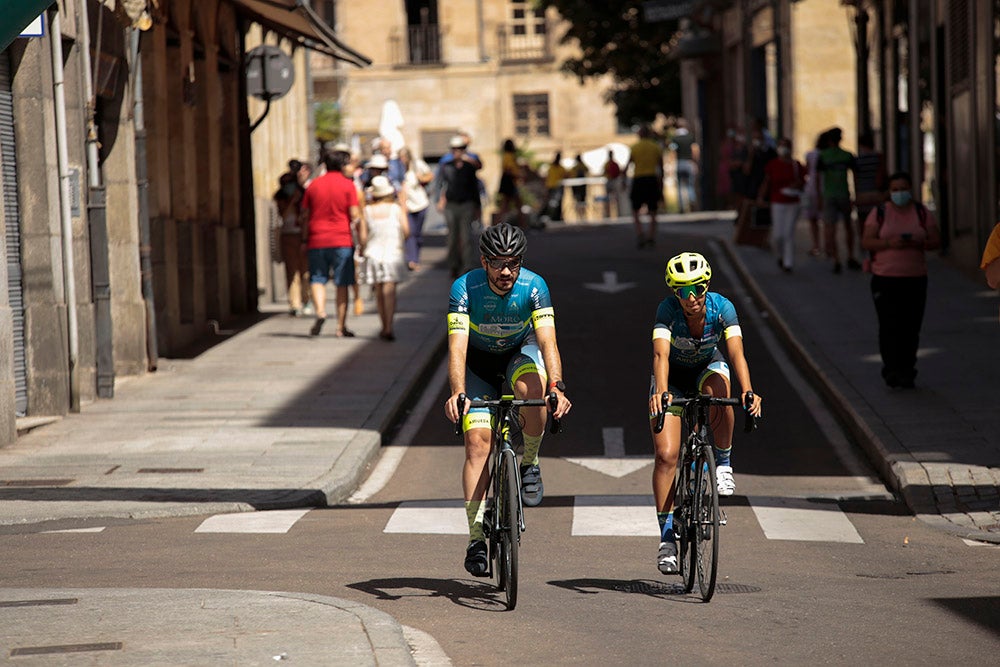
x=697 y=515
x=504 y=521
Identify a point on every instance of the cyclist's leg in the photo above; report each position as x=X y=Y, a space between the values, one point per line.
x=527 y=377
x=476 y=426
x=666 y=446
x=715 y=381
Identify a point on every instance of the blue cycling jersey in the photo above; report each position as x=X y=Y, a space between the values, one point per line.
x=686 y=350
x=496 y=323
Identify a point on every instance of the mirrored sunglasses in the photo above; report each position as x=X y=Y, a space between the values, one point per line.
x=685 y=291
x=499 y=263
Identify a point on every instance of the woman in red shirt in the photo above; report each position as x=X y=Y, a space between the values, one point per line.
x=782 y=186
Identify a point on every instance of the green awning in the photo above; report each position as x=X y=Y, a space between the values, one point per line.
x=17 y=14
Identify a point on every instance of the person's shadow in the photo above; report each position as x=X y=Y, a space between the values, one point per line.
x=481 y=595
x=649 y=587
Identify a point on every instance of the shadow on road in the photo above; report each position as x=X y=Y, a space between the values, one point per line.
x=473 y=595
x=648 y=587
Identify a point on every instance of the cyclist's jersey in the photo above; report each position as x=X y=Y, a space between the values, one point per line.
x=685 y=350
x=494 y=323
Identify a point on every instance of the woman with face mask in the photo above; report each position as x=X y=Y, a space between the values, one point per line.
x=898 y=234
x=784 y=177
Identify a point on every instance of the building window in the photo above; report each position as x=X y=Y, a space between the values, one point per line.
x=525 y=20
x=531 y=114
x=524 y=35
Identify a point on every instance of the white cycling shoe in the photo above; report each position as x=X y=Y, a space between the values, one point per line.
x=725 y=481
x=666 y=558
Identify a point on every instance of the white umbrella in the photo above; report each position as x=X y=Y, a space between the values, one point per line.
x=389 y=126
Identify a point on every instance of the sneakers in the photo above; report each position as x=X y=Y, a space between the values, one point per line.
x=725 y=480
x=532 y=488
x=476 y=561
x=666 y=558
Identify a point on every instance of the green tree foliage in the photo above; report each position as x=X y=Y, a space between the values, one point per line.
x=614 y=39
x=328 y=119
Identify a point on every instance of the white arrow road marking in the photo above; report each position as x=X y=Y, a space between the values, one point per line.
x=270 y=521
x=437 y=517
x=610 y=284
x=974 y=543
x=803 y=520
x=95 y=529
x=614 y=463
x=615 y=516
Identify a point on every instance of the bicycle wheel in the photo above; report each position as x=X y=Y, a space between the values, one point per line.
x=706 y=503
x=684 y=520
x=510 y=534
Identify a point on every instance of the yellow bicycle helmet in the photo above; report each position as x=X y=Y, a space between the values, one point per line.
x=687 y=268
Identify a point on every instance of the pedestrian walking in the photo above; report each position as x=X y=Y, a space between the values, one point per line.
x=834 y=163
x=687 y=154
x=812 y=194
x=580 y=189
x=383 y=229
x=782 y=187
x=612 y=185
x=554 y=188
x=415 y=181
x=898 y=234
x=510 y=177
x=459 y=200
x=287 y=200
x=646 y=158
x=329 y=209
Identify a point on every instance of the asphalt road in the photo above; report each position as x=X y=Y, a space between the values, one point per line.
x=819 y=563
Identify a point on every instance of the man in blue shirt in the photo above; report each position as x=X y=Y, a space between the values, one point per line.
x=501 y=340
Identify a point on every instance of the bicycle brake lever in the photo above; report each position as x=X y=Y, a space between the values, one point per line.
x=749 y=421
x=461 y=409
x=660 y=418
x=553 y=404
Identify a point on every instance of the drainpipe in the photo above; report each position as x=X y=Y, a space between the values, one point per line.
x=65 y=215
x=100 y=271
x=142 y=183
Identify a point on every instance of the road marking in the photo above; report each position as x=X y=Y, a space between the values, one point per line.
x=610 y=284
x=436 y=517
x=95 y=529
x=615 y=516
x=614 y=463
x=975 y=543
x=802 y=520
x=393 y=454
x=271 y=521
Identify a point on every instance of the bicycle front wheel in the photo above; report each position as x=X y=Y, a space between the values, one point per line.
x=707 y=519
x=510 y=527
x=684 y=520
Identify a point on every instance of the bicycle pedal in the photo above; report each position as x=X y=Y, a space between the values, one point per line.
x=722 y=517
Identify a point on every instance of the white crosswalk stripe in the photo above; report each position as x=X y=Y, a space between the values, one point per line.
x=633 y=516
x=803 y=520
x=270 y=521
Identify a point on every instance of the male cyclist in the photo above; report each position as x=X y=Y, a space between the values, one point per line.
x=690 y=326
x=501 y=339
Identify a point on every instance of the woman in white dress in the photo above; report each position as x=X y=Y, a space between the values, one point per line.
x=383 y=229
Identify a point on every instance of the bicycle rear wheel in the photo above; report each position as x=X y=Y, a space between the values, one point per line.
x=510 y=529
x=684 y=520
x=705 y=560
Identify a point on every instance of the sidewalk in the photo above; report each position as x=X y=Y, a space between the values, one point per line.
x=937 y=445
x=269 y=418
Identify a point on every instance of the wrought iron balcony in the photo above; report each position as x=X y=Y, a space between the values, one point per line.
x=524 y=42
x=418 y=45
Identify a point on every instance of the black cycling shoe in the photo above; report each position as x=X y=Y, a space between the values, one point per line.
x=532 y=488
x=476 y=561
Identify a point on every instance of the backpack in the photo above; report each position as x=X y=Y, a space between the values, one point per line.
x=866 y=266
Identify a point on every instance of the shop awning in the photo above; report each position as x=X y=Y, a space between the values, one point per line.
x=17 y=14
x=295 y=20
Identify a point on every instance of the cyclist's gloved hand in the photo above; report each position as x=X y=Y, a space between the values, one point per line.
x=451 y=407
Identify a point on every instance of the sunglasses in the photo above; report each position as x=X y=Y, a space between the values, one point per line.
x=686 y=291
x=499 y=263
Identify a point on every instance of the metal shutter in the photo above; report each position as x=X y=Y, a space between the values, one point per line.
x=12 y=236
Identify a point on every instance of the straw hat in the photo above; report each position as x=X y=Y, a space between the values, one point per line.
x=381 y=187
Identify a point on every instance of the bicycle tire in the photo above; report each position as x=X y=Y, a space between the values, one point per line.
x=684 y=519
x=706 y=552
x=510 y=529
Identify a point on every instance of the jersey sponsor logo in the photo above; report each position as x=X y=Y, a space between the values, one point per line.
x=543 y=317
x=458 y=323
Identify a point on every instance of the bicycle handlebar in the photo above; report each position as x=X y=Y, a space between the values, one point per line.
x=749 y=421
x=551 y=401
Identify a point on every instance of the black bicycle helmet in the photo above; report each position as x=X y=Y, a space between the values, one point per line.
x=503 y=240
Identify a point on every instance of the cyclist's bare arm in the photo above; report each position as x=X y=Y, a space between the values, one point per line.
x=661 y=371
x=734 y=346
x=546 y=337
x=458 y=345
